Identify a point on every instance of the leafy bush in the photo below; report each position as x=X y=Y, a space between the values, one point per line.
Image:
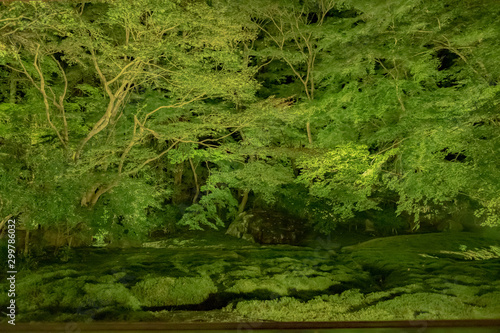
x=207 y=211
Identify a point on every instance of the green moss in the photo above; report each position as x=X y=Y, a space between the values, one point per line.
x=109 y=294
x=164 y=291
x=45 y=275
x=491 y=299
x=119 y=275
x=246 y=271
x=65 y=294
x=324 y=308
x=476 y=254
x=216 y=267
x=422 y=306
x=61 y=293
x=107 y=279
x=282 y=284
x=352 y=305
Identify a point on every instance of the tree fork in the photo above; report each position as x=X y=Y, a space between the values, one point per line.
x=101 y=191
x=98 y=127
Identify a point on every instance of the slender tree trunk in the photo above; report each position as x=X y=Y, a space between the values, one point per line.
x=294 y=167
x=243 y=202
x=309 y=135
x=101 y=191
x=26 y=242
x=13 y=88
x=195 y=198
x=87 y=198
x=178 y=171
x=4 y=221
x=92 y=196
x=70 y=237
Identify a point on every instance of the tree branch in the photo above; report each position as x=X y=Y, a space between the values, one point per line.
x=44 y=94
x=153 y=159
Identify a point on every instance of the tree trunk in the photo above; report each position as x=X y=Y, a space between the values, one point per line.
x=178 y=171
x=4 y=221
x=87 y=197
x=293 y=164
x=100 y=192
x=13 y=88
x=309 y=135
x=243 y=202
x=196 y=184
x=90 y=198
x=26 y=242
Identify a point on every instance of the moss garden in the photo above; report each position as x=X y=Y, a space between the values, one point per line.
x=201 y=278
x=251 y=160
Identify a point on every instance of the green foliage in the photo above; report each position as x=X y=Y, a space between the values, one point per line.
x=377 y=102
x=343 y=179
x=264 y=179
x=207 y=212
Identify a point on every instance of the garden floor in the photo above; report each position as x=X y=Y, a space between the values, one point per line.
x=211 y=277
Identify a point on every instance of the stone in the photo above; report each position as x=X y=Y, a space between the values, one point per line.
x=268 y=227
x=239 y=226
x=450 y=225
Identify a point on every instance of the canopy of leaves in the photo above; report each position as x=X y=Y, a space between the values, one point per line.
x=111 y=111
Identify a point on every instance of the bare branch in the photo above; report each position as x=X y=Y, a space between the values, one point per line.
x=135 y=139
x=265 y=64
x=101 y=76
x=153 y=159
x=195 y=176
x=61 y=99
x=115 y=101
x=44 y=94
x=177 y=105
x=134 y=62
x=14 y=69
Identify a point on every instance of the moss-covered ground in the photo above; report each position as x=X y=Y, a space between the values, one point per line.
x=213 y=277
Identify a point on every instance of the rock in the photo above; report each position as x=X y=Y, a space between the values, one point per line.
x=369 y=226
x=157 y=245
x=239 y=226
x=248 y=237
x=450 y=225
x=267 y=227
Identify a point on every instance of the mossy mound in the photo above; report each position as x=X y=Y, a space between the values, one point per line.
x=382 y=279
x=168 y=291
x=412 y=277
x=282 y=284
x=63 y=295
x=352 y=305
